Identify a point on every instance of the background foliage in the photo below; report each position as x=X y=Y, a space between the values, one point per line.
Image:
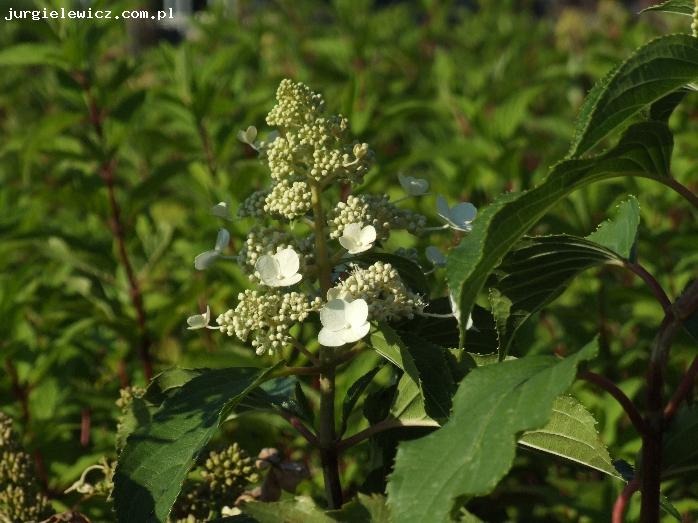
x=479 y=99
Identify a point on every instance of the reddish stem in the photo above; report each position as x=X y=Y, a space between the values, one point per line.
x=682 y=391
x=652 y=283
x=619 y=396
x=85 y=425
x=297 y=424
x=623 y=499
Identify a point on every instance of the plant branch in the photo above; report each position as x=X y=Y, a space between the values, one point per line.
x=298 y=345
x=106 y=173
x=652 y=283
x=381 y=426
x=297 y=424
x=623 y=499
x=619 y=396
x=682 y=391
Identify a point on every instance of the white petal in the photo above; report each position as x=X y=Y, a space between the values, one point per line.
x=198 y=321
x=469 y=323
x=221 y=210
x=352 y=230
x=359 y=248
x=455 y=307
x=357 y=312
x=330 y=338
x=349 y=243
x=463 y=213
x=442 y=208
x=268 y=269
x=222 y=240
x=288 y=261
x=288 y=280
x=355 y=333
x=413 y=186
x=435 y=256
x=248 y=135
x=368 y=235
x=335 y=293
x=204 y=260
x=333 y=315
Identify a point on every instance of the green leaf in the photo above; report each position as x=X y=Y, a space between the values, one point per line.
x=619 y=234
x=280 y=394
x=408 y=404
x=571 y=434
x=302 y=509
x=682 y=7
x=475 y=448
x=354 y=393
x=645 y=151
x=653 y=71
x=424 y=362
x=158 y=456
x=32 y=54
x=680 y=455
x=533 y=274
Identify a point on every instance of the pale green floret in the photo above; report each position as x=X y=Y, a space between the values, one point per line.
x=381 y=287
x=311 y=145
x=266 y=318
x=376 y=210
x=288 y=199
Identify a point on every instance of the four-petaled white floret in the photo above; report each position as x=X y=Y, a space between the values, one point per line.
x=356 y=239
x=343 y=321
x=280 y=269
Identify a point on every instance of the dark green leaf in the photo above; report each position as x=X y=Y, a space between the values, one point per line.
x=158 y=456
x=354 y=393
x=682 y=7
x=32 y=54
x=475 y=448
x=680 y=450
x=644 y=151
x=424 y=362
x=652 y=72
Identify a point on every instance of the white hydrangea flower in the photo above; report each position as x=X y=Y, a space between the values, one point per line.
x=280 y=269
x=435 y=256
x=459 y=216
x=248 y=136
x=204 y=260
x=221 y=210
x=199 y=321
x=343 y=322
x=413 y=186
x=357 y=239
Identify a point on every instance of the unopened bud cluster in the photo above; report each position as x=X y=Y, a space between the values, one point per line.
x=224 y=476
x=381 y=287
x=21 y=499
x=376 y=210
x=266 y=318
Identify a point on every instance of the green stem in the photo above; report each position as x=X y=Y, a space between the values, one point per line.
x=327 y=432
x=322 y=259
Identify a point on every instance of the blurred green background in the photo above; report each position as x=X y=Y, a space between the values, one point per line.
x=477 y=97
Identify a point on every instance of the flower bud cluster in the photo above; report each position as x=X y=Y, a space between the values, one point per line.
x=288 y=199
x=311 y=145
x=266 y=318
x=268 y=240
x=381 y=287
x=376 y=210
x=253 y=205
x=228 y=472
x=20 y=496
x=224 y=477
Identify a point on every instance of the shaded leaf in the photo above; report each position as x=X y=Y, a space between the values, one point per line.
x=158 y=456
x=475 y=448
x=682 y=7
